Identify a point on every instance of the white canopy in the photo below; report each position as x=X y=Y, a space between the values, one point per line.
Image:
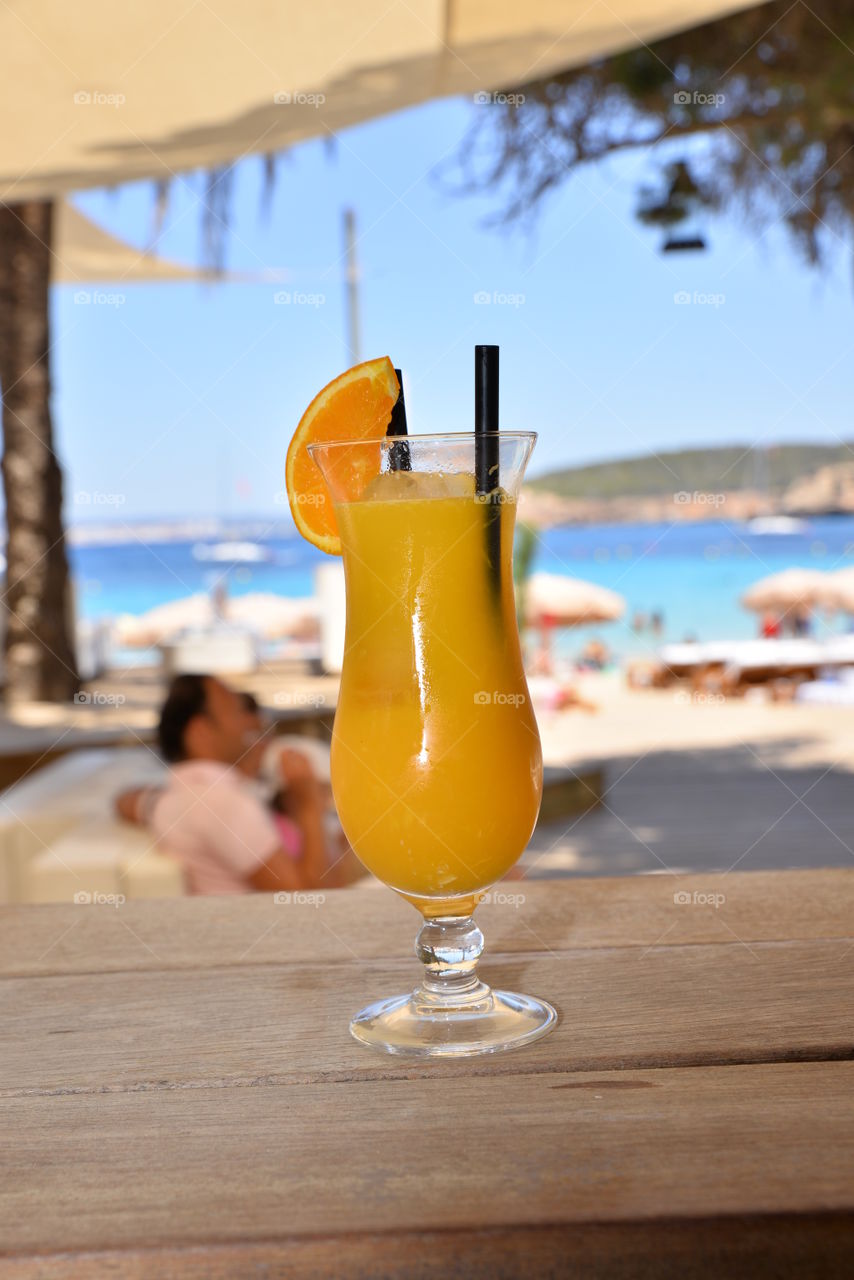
x=760 y=655
x=85 y=252
x=96 y=93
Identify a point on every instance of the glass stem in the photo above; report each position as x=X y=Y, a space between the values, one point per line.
x=449 y=947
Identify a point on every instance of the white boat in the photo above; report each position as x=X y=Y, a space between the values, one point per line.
x=232 y=552
x=777 y=525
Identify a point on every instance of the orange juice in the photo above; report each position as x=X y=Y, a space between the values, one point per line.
x=436 y=760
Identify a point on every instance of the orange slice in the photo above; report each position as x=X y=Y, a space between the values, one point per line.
x=354 y=406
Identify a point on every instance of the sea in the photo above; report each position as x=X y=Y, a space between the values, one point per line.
x=690 y=574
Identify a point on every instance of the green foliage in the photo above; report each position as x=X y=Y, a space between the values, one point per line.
x=771 y=88
x=524 y=550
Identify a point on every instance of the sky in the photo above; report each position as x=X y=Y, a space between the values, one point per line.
x=176 y=400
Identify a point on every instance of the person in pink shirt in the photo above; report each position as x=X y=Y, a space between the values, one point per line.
x=211 y=815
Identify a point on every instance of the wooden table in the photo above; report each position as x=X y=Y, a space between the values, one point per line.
x=180 y=1096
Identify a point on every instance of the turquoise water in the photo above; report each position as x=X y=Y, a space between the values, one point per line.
x=692 y=573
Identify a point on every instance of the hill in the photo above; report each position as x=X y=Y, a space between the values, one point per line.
x=730 y=468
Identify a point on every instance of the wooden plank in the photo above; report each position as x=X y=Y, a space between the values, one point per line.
x=522 y=1160
x=230 y=1027
x=373 y=923
x=768 y=1247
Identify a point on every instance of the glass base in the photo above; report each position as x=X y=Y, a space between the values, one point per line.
x=482 y=1021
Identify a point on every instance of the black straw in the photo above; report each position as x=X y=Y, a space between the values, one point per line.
x=486 y=478
x=399 y=458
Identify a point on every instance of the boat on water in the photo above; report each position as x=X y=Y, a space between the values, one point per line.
x=777 y=526
x=232 y=552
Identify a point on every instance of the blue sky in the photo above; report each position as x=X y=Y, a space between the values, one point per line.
x=181 y=400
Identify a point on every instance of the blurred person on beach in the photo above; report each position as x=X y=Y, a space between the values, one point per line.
x=555 y=693
x=770 y=627
x=542 y=663
x=550 y=691
x=801 y=621
x=210 y=814
x=264 y=760
x=595 y=656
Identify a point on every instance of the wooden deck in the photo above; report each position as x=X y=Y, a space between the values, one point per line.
x=180 y=1095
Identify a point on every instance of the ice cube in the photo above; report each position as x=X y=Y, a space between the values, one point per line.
x=396 y=486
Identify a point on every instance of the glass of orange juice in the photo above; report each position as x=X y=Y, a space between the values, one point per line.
x=436 y=759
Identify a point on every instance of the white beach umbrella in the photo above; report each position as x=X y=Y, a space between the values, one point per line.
x=269 y=616
x=790 y=589
x=841 y=583
x=274 y=617
x=569 y=602
x=138 y=631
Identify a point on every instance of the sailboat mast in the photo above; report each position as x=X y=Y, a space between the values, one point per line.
x=351 y=278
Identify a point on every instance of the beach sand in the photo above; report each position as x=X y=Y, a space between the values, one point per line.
x=691 y=785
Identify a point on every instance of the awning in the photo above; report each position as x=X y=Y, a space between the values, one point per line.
x=96 y=93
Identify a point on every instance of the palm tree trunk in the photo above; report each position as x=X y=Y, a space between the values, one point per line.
x=39 y=650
